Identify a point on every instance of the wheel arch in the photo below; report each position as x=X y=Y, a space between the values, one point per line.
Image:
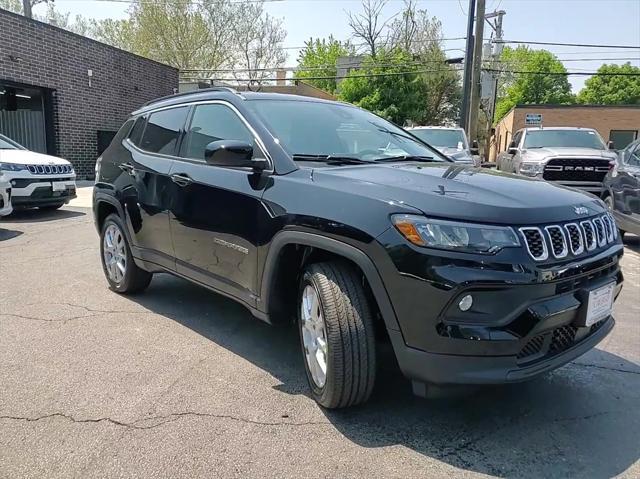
x=291 y=250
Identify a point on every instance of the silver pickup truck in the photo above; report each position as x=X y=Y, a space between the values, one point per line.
x=576 y=157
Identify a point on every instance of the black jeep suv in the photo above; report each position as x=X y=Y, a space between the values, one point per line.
x=320 y=210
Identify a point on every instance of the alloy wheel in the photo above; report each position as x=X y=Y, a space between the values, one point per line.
x=314 y=335
x=114 y=253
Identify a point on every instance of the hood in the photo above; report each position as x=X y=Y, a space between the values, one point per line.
x=26 y=157
x=446 y=190
x=532 y=154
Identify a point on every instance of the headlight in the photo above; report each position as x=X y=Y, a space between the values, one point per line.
x=531 y=168
x=12 y=167
x=455 y=236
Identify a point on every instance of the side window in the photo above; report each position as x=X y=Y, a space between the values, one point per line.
x=163 y=130
x=122 y=132
x=517 y=137
x=136 y=132
x=633 y=159
x=209 y=123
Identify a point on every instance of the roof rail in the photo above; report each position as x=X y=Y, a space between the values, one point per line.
x=201 y=90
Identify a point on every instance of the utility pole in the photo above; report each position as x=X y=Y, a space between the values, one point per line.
x=26 y=7
x=468 y=62
x=474 y=107
x=495 y=47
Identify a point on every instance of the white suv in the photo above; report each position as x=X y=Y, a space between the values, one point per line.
x=36 y=180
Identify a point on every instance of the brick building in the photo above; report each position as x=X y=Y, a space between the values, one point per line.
x=65 y=94
x=620 y=124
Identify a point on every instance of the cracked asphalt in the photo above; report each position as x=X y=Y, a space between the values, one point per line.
x=179 y=382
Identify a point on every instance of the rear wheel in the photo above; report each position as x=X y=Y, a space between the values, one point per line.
x=337 y=335
x=609 y=202
x=122 y=273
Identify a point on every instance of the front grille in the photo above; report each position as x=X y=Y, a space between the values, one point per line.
x=49 y=169
x=534 y=346
x=563 y=337
x=24 y=182
x=559 y=240
x=576 y=169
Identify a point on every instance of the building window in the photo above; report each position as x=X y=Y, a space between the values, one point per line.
x=621 y=138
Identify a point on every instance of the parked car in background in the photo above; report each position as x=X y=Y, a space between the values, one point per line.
x=449 y=141
x=36 y=180
x=297 y=209
x=576 y=157
x=621 y=190
x=5 y=196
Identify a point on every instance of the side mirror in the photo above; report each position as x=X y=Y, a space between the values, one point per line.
x=611 y=145
x=233 y=154
x=513 y=148
x=475 y=149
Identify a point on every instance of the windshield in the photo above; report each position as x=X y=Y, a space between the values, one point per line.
x=442 y=138
x=331 y=129
x=7 y=144
x=563 y=138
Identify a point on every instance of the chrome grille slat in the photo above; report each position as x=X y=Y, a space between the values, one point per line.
x=607 y=228
x=576 y=241
x=558 y=241
x=535 y=242
x=589 y=235
x=599 y=229
x=49 y=169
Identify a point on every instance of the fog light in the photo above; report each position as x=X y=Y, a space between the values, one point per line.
x=466 y=303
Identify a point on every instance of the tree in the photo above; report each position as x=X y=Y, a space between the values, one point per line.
x=368 y=25
x=258 y=39
x=606 y=88
x=387 y=90
x=318 y=59
x=532 y=86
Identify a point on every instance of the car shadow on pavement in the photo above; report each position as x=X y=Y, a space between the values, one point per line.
x=580 y=421
x=9 y=234
x=37 y=216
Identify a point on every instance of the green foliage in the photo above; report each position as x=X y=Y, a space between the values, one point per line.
x=396 y=97
x=531 y=88
x=319 y=57
x=612 y=90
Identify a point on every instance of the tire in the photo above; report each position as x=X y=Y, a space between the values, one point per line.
x=608 y=200
x=124 y=277
x=51 y=207
x=347 y=328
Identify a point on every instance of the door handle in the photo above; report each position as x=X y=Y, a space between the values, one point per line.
x=127 y=168
x=181 y=179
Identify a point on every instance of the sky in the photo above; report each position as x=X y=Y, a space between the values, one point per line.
x=613 y=22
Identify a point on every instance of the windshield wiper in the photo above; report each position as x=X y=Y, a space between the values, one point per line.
x=391 y=159
x=331 y=159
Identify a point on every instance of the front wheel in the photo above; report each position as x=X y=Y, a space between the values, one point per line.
x=122 y=273
x=337 y=335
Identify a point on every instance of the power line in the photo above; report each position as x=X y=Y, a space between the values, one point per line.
x=583 y=45
x=626 y=74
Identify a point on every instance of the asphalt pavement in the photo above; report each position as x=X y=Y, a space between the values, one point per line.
x=180 y=382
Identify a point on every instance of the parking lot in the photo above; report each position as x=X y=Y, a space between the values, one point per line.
x=180 y=382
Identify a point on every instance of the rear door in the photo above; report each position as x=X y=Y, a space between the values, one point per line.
x=216 y=213
x=151 y=149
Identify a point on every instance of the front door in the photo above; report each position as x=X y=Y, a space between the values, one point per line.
x=216 y=213
x=151 y=147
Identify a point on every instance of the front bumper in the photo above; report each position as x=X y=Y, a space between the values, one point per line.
x=33 y=190
x=525 y=320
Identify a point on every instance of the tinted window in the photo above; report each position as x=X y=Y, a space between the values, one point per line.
x=563 y=138
x=212 y=123
x=136 y=132
x=634 y=156
x=319 y=128
x=163 y=130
